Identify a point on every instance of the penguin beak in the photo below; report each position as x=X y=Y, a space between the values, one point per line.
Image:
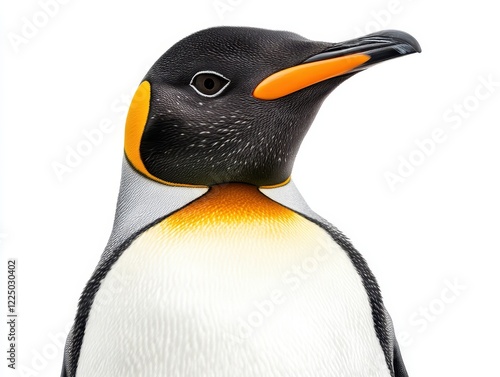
x=337 y=60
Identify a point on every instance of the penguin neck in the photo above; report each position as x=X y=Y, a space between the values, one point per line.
x=143 y=202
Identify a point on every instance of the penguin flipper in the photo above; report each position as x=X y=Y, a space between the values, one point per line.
x=67 y=351
x=398 y=364
x=63 y=372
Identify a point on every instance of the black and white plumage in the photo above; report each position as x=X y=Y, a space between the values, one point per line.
x=209 y=225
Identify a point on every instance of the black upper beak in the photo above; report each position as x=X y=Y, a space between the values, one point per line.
x=380 y=46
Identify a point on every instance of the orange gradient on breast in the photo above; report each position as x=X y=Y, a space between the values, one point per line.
x=229 y=205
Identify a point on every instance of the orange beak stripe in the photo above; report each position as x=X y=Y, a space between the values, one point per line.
x=295 y=78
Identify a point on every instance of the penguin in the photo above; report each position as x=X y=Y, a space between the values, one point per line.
x=216 y=266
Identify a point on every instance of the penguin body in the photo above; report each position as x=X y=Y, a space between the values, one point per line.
x=216 y=266
x=204 y=273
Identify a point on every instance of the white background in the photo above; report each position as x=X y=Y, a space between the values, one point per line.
x=438 y=228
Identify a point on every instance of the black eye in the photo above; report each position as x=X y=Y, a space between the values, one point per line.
x=209 y=84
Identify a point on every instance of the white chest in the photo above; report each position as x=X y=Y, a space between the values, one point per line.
x=276 y=297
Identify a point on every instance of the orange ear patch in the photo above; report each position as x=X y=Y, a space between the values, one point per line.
x=136 y=121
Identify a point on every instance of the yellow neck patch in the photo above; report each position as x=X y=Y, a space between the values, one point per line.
x=229 y=205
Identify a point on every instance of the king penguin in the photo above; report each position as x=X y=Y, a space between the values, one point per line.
x=216 y=266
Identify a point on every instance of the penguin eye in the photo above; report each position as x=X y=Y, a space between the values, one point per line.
x=209 y=84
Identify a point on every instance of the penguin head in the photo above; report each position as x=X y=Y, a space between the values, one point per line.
x=233 y=104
